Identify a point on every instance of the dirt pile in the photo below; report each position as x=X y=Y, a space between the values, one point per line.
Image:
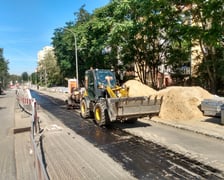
x=136 y=88
x=179 y=103
x=182 y=103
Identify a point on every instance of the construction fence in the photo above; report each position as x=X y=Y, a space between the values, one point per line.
x=29 y=105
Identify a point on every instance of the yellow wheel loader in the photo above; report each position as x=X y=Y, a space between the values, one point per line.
x=104 y=100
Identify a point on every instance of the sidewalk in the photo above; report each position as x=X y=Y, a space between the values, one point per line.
x=23 y=150
x=209 y=126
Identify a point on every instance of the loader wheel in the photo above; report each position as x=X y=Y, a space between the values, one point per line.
x=100 y=114
x=84 y=109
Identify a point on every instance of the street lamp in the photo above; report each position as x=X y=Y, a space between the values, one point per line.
x=76 y=57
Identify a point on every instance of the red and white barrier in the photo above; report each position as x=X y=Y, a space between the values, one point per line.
x=25 y=99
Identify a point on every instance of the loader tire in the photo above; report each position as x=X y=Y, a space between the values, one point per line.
x=100 y=114
x=84 y=109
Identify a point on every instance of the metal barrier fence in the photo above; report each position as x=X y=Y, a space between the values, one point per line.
x=29 y=105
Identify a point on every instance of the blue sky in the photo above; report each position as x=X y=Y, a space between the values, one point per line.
x=26 y=26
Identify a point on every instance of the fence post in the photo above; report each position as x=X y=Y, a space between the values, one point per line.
x=35 y=127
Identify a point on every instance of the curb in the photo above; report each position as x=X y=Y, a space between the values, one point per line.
x=182 y=127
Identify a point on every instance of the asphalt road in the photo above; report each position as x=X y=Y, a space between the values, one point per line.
x=205 y=149
x=147 y=150
x=7 y=155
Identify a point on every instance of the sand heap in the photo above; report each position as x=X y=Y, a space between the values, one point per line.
x=182 y=103
x=179 y=103
x=136 y=88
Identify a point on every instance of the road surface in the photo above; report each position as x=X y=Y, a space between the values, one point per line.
x=7 y=155
x=145 y=150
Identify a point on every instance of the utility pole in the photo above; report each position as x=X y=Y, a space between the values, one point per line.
x=76 y=57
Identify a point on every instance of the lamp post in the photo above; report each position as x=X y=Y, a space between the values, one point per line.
x=76 y=57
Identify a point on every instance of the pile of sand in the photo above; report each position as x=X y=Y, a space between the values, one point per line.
x=179 y=103
x=136 y=88
x=182 y=103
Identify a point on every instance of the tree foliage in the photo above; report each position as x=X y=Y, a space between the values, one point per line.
x=25 y=76
x=208 y=15
x=48 y=71
x=3 y=69
x=151 y=35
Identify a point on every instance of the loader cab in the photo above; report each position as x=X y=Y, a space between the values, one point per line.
x=96 y=81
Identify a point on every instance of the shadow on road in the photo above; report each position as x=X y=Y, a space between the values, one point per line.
x=2 y=108
x=214 y=120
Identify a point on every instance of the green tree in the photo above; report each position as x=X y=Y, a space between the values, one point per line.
x=208 y=16
x=64 y=44
x=53 y=71
x=141 y=29
x=15 y=78
x=25 y=76
x=92 y=34
x=49 y=70
x=146 y=34
x=3 y=69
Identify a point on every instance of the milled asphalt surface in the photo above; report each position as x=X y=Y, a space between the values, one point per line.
x=209 y=126
x=68 y=155
x=13 y=166
x=17 y=156
x=206 y=143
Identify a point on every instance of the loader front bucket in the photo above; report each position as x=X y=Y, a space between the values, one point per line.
x=133 y=107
